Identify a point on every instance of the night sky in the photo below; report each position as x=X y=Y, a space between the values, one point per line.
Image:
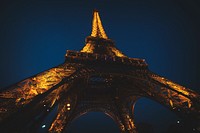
x=34 y=36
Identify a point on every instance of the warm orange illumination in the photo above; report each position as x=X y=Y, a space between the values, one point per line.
x=117 y=52
x=88 y=48
x=39 y=84
x=171 y=103
x=178 y=97
x=99 y=78
x=59 y=123
x=97 y=28
x=176 y=87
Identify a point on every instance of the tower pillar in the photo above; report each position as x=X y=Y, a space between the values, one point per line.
x=126 y=120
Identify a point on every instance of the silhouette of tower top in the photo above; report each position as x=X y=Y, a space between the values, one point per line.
x=97 y=27
x=98 y=42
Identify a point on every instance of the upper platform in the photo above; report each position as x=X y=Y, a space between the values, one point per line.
x=99 y=46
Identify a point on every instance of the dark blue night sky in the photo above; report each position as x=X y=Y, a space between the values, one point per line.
x=34 y=36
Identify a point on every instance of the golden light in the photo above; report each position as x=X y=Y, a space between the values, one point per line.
x=68 y=105
x=117 y=52
x=176 y=87
x=97 y=28
x=88 y=48
x=68 y=108
x=180 y=96
x=171 y=103
x=29 y=88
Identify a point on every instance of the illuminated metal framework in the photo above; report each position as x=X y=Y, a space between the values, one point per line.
x=98 y=78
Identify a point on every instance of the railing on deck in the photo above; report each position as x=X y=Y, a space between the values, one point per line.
x=82 y=56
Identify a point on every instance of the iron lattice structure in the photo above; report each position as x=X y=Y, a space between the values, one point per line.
x=98 y=78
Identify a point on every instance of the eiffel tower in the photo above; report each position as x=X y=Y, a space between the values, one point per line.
x=98 y=78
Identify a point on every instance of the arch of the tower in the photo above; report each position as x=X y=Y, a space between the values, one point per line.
x=93 y=121
x=151 y=116
x=119 y=86
x=176 y=98
x=106 y=110
x=173 y=96
x=122 y=91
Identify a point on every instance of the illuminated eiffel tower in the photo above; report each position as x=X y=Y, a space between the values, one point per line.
x=97 y=78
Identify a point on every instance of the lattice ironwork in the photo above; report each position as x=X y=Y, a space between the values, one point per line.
x=98 y=78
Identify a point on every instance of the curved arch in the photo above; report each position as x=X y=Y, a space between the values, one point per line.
x=106 y=112
x=148 y=111
x=163 y=94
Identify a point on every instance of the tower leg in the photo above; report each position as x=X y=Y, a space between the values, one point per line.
x=126 y=121
x=62 y=119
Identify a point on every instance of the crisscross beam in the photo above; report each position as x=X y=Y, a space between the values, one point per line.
x=97 y=27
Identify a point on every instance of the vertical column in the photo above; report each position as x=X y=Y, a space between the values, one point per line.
x=65 y=110
x=125 y=115
x=127 y=119
x=112 y=111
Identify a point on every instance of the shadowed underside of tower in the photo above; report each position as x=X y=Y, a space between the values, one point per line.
x=97 y=78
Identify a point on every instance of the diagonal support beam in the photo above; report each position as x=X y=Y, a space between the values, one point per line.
x=97 y=27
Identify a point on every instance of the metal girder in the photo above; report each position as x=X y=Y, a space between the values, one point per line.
x=97 y=78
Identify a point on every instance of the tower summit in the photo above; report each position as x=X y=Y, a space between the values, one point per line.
x=97 y=27
x=97 y=78
x=98 y=41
